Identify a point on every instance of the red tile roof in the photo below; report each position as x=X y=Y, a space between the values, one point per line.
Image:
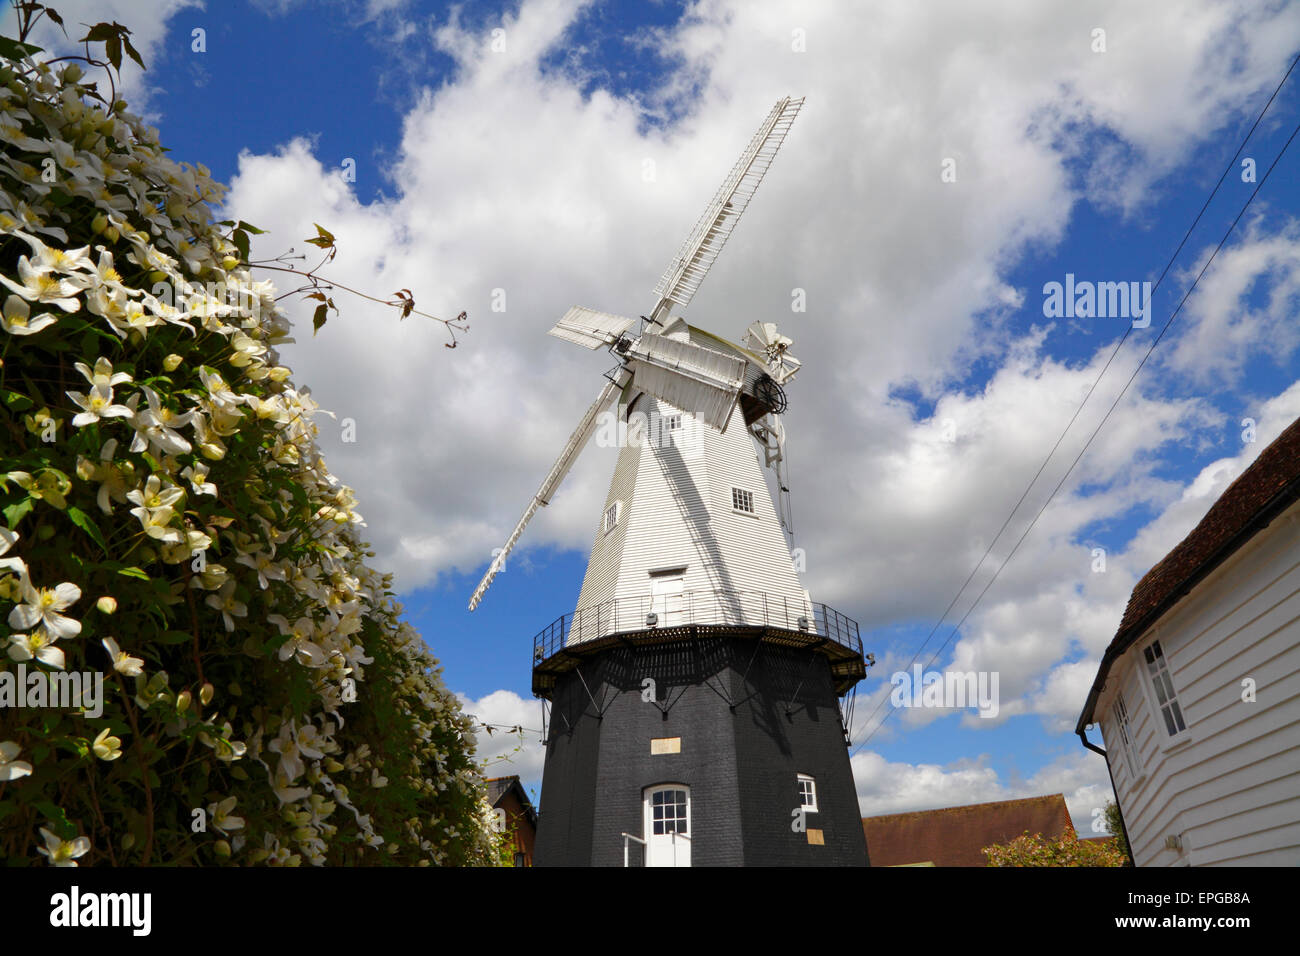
x=955 y=836
x=1263 y=491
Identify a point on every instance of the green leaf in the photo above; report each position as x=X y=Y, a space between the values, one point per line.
x=318 y=318
x=113 y=50
x=86 y=524
x=16 y=51
x=132 y=52
x=63 y=827
x=16 y=512
x=173 y=637
x=133 y=573
x=251 y=228
x=99 y=33
x=323 y=238
x=240 y=239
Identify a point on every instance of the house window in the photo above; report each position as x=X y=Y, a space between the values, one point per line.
x=1125 y=741
x=807 y=793
x=742 y=500
x=672 y=423
x=1166 y=699
x=611 y=517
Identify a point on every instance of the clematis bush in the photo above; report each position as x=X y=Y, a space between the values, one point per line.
x=171 y=535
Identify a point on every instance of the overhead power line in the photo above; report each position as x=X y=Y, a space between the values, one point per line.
x=1230 y=166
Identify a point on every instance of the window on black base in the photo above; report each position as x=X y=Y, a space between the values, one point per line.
x=807 y=793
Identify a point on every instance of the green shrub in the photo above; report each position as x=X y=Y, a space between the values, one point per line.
x=170 y=525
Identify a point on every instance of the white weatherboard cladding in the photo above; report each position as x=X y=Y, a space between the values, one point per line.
x=676 y=512
x=1231 y=790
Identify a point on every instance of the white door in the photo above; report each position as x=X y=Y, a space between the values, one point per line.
x=668 y=826
x=666 y=598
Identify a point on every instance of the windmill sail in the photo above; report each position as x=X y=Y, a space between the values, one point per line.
x=590 y=328
x=701 y=248
x=577 y=441
x=708 y=383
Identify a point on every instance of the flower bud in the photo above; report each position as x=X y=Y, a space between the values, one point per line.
x=222 y=848
x=106 y=604
x=99 y=223
x=171 y=362
x=205 y=694
x=183 y=701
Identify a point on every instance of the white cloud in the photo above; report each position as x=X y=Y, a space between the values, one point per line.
x=885 y=787
x=147 y=23
x=505 y=751
x=510 y=179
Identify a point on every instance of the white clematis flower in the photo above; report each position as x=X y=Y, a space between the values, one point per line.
x=106 y=746
x=98 y=404
x=222 y=821
x=11 y=769
x=17 y=318
x=102 y=374
x=123 y=662
x=35 y=646
x=43 y=287
x=63 y=852
x=41 y=607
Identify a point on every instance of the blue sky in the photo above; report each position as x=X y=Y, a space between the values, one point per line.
x=477 y=172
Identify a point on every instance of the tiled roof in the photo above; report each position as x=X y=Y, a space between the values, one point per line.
x=498 y=787
x=955 y=836
x=1260 y=493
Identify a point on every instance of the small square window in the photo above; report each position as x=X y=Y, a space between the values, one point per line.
x=611 y=517
x=742 y=500
x=807 y=793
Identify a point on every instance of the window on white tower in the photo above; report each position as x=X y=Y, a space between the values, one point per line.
x=611 y=517
x=807 y=793
x=742 y=500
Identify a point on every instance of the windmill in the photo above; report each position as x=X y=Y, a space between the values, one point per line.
x=710 y=383
x=695 y=688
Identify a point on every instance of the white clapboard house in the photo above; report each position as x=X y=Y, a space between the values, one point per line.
x=1198 y=695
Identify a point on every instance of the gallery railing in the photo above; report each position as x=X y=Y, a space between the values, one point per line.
x=696 y=608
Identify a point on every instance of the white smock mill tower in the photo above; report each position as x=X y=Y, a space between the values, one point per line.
x=694 y=690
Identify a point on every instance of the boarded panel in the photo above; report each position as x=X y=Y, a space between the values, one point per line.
x=696 y=380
